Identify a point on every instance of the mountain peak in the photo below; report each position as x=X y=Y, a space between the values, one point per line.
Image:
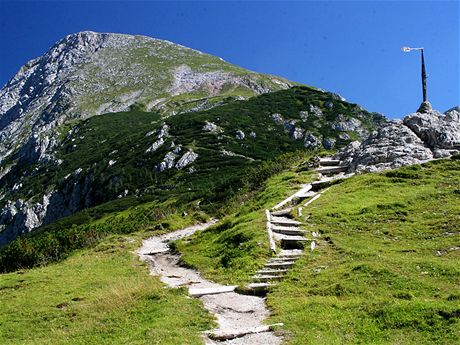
x=89 y=73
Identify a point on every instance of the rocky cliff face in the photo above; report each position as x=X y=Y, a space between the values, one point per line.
x=419 y=137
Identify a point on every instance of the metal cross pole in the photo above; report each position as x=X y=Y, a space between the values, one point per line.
x=409 y=49
x=423 y=77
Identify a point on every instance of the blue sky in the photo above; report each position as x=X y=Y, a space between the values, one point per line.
x=352 y=48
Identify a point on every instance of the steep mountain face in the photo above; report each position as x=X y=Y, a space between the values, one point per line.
x=88 y=73
x=131 y=157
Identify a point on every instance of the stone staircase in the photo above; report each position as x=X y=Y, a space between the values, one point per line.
x=287 y=238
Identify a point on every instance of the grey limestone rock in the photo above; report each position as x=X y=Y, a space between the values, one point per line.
x=304 y=115
x=344 y=136
x=239 y=135
x=155 y=145
x=351 y=124
x=162 y=134
x=435 y=129
x=277 y=118
x=167 y=162
x=314 y=110
x=311 y=141
x=210 y=127
x=420 y=137
x=391 y=146
x=328 y=143
x=187 y=159
x=329 y=105
x=294 y=132
x=297 y=133
x=20 y=217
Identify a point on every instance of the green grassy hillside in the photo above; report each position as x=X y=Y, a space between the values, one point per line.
x=103 y=294
x=98 y=296
x=387 y=272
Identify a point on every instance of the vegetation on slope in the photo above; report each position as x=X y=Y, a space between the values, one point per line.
x=388 y=273
x=231 y=251
x=122 y=139
x=105 y=160
x=102 y=295
x=127 y=215
x=147 y=66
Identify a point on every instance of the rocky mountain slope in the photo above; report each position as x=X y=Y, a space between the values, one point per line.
x=419 y=137
x=88 y=73
x=132 y=157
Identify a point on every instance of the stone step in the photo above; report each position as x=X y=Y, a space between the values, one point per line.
x=308 y=194
x=282 y=259
x=197 y=292
x=286 y=252
x=312 y=199
x=272 y=272
x=284 y=221
x=229 y=334
x=293 y=197
x=293 y=257
x=288 y=231
x=329 y=162
x=279 y=265
x=327 y=182
x=266 y=278
x=332 y=169
x=291 y=242
x=260 y=286
x=285 y=227
x=285 y=212
x=292 y=238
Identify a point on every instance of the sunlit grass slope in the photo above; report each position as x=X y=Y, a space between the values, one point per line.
x=386 y=273
x=103 y=294
x=99 y=296
x=233 y=250
x=390 y=272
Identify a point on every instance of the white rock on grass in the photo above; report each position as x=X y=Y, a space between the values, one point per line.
x=210 y=127
x=239 y=135
x=155 y=146
x=311 y=141
x=277 y=118
x=167 y=163
x=304 y=115
x=187 y=159
x=314 y=110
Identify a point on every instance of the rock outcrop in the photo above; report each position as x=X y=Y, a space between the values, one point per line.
x=420 y=137
x=435 y=129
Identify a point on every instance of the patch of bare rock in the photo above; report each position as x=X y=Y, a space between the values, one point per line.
x=418 y=138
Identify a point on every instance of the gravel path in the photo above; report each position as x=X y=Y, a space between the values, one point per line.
x=233 y=311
